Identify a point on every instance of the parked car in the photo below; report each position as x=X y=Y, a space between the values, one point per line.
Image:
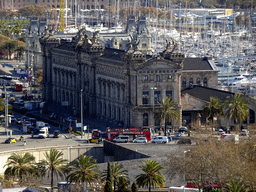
x=220 y=132
x=160 y=139
x=56 y=134
x=10 y=140
x=244 y=132
x=183 y=129
x=140 y=140
x=121 y=139
x=53 y=116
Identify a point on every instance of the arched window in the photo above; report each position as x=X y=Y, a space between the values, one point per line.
x=198 y=82
x=88 y=6
x=183 y=83
x=102 y=6
x=92 y=7
x=145 y=119
x=191 y=81
x=205 y=82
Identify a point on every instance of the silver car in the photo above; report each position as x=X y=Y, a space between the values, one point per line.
x=140 y=140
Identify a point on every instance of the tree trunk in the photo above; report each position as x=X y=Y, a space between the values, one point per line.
x=51 y=179
x=165 y=127
x=149 y=188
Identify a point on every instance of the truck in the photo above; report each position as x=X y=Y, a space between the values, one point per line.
x=42 y=133
x=41 y=124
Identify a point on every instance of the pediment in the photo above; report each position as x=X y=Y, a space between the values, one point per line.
x=158 y=63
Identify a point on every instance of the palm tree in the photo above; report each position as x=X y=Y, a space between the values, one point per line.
x=83 y=171
x=152 y=175
x=167 y=112
x=115 y=173
x=236 y=186
x=18 y=165
x=237 y=109
x=213 y=108
x=54 y=164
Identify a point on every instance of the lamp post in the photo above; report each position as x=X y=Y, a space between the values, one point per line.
x=6 y=110
x=82 y=117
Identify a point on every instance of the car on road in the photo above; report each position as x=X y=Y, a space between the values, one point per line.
x=183 y=129
x=34 y=91
x=18 y=120
x=121 y=139
x=140 y=140
x=54 y=116
x=56 y=134
x=220 y=132
x=159 y=139
x=10 y=140
x=244 y=132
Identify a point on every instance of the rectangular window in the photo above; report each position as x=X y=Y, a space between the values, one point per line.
x=145 y=97
x=157 y=97
x=169 y=94
x=145 y=77
x=157 y=78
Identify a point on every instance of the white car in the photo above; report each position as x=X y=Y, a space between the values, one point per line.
x=160 y=139
x=140 y=140
x=220 y=132
x=244 y=132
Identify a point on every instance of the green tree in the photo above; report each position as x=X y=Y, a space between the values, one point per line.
x=54 y=164
x=134 y=187
x=236 y=186
x=167 y=112
x=9 y=47
x=236 y=108
x=116 y=171
x=83 y=171
x=108 y=185
x=122 y=185
x=152 y=175
x=3 y=25
x=213 y=109
x=18 y=165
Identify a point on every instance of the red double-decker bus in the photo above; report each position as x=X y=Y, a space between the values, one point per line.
x=111 y=133
x=19 y=87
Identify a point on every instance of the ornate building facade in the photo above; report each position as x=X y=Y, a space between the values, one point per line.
x=126 y=86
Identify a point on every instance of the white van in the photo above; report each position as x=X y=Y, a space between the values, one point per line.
x=121 y=139
x=160 y=139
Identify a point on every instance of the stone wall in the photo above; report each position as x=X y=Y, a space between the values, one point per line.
x=120 y=153
x=69 y=152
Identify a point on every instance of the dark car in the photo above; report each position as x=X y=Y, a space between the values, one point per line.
x=56 y=134
x=34 y=91
x=54 y=116
x=10 y=140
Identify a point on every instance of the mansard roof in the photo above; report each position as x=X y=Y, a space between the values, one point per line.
x=195 y=64
x=113 y=54
x=204 y=93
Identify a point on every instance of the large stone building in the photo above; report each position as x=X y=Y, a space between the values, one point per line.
x=72 y=5
x=126 y=86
